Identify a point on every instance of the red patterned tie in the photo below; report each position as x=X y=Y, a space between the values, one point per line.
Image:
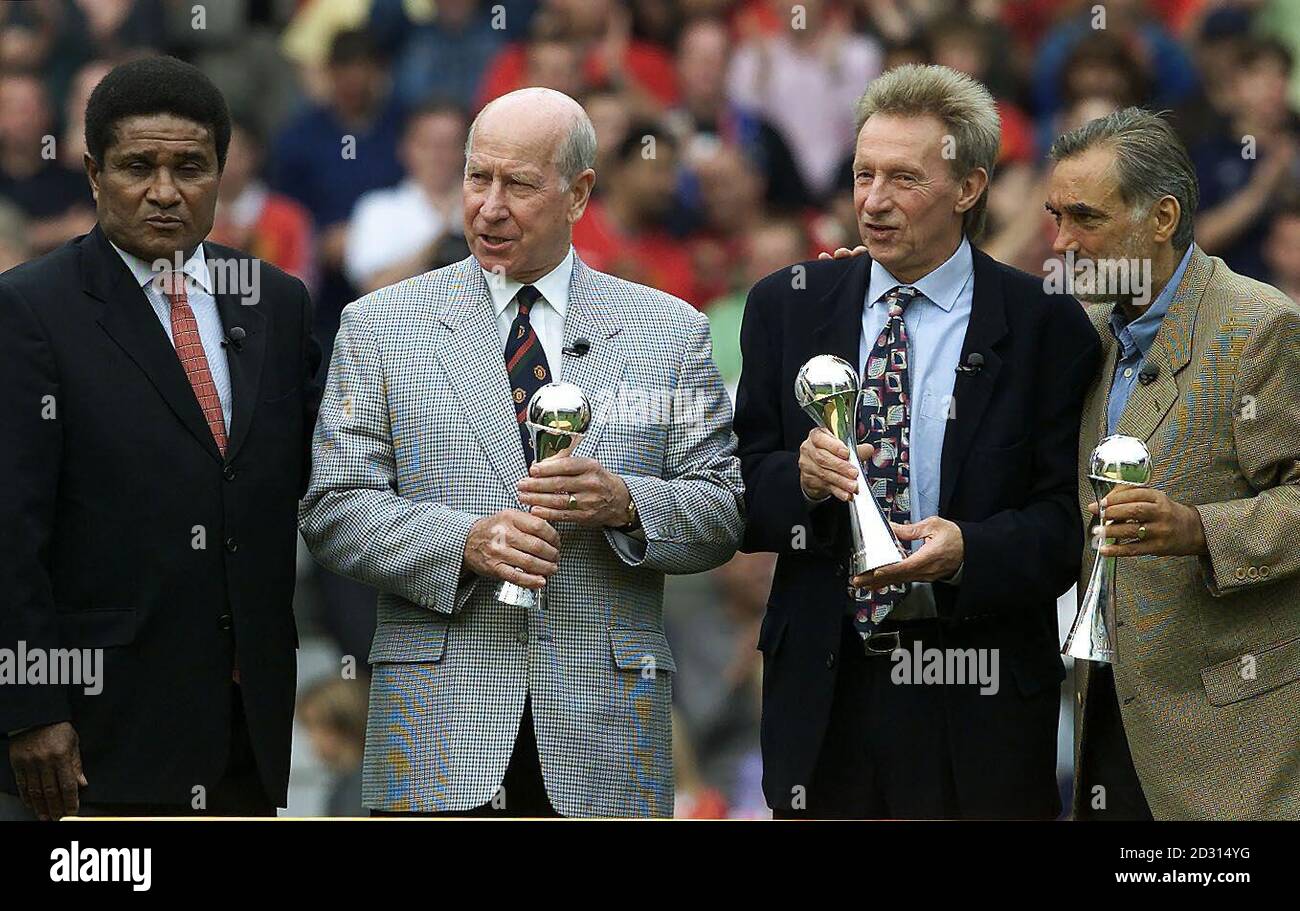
x=189 y=348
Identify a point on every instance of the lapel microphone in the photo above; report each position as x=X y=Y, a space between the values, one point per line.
x=580 y=347
x=1149 y=374
x=974 y=364
x=235 y=339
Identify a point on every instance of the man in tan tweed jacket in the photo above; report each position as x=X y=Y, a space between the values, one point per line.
x=1199 y=717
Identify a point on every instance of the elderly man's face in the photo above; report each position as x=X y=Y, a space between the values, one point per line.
x=156 y=190
x=1092 y=220
x=905 y=195
x=519 y=215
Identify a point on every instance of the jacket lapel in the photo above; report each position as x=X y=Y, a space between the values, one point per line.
x=245 y=364
x=1172 y=349
x=131 y=322
x=971 y=392
x=840 y=333
x=598 y=372
x=474 y=360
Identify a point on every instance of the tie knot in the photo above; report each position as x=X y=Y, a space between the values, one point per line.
x=172 y=284
x=527 y=296
x=900 y=297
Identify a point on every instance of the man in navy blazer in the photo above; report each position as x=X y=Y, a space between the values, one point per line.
x=944 y=704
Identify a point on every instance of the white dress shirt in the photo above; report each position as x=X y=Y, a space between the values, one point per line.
x=547 y=315
x=388 y=226
x=198 y=291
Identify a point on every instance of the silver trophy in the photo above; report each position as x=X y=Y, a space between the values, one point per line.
x=1117 y=461
x=558 y=416
x=827 y=389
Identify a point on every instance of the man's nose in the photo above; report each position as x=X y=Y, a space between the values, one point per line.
x=494 y=202
x=877 y=198
x=1064 y=242
x=162 y=190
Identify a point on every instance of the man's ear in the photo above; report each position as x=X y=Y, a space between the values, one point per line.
x=92 y=172
x=972 y=185
x=1165 y=215
x=580 y=194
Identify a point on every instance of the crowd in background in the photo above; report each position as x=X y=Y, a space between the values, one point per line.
x=725 y=140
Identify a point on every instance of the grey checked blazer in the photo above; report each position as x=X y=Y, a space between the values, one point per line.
x=417 y=440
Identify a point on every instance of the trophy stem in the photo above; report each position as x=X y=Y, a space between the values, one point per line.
x=874 y=542
x=1090 y=637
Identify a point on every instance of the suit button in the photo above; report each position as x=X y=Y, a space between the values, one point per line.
x=1253 y=572
x=830 y=661
x=225 y=621
x=1129 y=699
x=229 y=473
x=232 y=545
x=1119 y=623
x=522 y=637
x=842 y=569
x=1241 y=573
x=1263 y=571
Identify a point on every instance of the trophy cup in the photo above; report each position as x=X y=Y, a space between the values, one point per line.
x=1117 y=461
x=827 y=389
x=558 y=415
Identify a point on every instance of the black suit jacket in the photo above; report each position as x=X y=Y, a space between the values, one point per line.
x=1007 y=479
x=123 y=529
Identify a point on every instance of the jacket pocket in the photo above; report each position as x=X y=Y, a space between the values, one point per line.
x=96 y=628
x=1273 y=666
x=409 y=642
x=639 y=649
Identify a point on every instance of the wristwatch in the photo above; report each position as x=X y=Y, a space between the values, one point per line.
x=633 y=517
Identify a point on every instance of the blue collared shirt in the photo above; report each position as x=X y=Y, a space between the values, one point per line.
x=198 y=292
x=936 y=328
x=1135 y=339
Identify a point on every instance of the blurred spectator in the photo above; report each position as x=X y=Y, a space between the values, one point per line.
x=1216 y=49
x=250 y=217
x=707 y=117
x=331 y=154
x=55 y=199
x=72 y=145
x=1282 y=250
x=14 y=247
x=731 y=198
x=1245 y=169
x=771 y=245
x=609 y=55
x=803 y=80
x=309 y=38
x=447 y=54
x=333 y=713
x=1127 y=23
x=635 y=211
x=399 y=232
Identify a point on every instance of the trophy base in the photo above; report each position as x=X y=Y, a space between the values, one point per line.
x=516 y=595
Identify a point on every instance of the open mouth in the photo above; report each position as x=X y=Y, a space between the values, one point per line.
x=493 y=242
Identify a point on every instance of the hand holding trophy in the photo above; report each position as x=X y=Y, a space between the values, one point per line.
x=1117 y=461
x=558 y=416
x=827 y=389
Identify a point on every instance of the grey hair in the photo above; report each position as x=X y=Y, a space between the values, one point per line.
x=964 y=107
x=575 y=153
x=1150 y=161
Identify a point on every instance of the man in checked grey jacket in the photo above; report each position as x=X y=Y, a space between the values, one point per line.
x=420 y=486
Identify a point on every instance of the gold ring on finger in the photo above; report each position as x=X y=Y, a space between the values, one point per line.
x=1142 y=532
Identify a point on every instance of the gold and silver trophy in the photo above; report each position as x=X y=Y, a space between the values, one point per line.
x=558 y=416
x=828 y=390
x=1118 y=461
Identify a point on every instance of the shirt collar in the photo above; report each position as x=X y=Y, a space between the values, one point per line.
x=554 y=286
x=196 y=268
x=1141 y=332
x=942 y=286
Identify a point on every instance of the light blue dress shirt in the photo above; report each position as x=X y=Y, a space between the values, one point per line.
x=936 y=329
x=198 y=292
x=1135 y=339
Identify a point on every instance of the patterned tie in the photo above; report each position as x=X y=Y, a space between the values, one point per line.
x=883 y=421
x=526 y=363
x=189 y=348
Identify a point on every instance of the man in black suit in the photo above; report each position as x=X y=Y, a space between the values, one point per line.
x=976 y=378
x=156 y=404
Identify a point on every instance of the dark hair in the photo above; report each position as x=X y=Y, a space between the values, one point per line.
x=634 y=142
x=1258 y=49
x=437 y=106
x=155 y=85
x=354 y=46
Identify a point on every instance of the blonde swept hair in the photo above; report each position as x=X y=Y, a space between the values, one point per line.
x=964 y=107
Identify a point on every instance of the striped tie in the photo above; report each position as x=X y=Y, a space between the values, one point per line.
x=189 y=348
x=525 y=363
